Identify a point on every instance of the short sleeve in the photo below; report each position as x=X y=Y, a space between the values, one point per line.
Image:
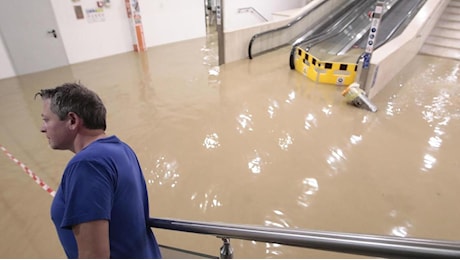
x=88 y=191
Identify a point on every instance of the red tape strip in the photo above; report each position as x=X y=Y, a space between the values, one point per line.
x=29 y=172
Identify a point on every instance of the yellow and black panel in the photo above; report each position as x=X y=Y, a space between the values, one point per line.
x=324 y=71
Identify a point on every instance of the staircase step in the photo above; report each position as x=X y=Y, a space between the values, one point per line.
x=450 y=17
x=444 y=39
x=448 y=24
x=454 y=3
x=454 y=11
x=444 y=42
x=440 y=51
x=446 y=33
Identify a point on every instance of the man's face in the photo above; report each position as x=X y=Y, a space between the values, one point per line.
x=57 y=131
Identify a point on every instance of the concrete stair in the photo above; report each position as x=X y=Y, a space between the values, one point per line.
x=444 y=39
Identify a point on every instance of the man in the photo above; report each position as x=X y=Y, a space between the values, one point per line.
x=101 y=206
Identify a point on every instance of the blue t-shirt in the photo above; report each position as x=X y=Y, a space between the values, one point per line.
x=105 y=181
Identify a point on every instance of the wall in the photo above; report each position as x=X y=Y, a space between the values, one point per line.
x=161 y=19
x=234 y=20
x=84 y=40
x=167 y=21
x=6 y=68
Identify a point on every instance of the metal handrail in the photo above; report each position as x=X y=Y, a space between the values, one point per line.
x=252 y=10
x=351 y=243
x=287 y=26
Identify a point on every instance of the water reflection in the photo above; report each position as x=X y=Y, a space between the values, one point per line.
x=437 y=115
x=277 y=220
x=211 y=141
x=400 y=230
x=245 y=122
x=334 y=160
x=285 y=141
x=452 y=76
x=273 y=108
x=255 y=163
x=327 y=110
x=310 y=121
x=355 y=139
x=207 y=200
x=390 y=108
x=164 y=172
x=309 y=188
x=428 y=162
x=291 y=97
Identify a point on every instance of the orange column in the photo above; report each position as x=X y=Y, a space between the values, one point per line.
x=135 y=19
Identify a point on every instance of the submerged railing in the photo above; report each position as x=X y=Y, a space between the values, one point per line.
x=357 y=244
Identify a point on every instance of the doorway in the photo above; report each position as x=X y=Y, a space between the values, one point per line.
x=31 y=35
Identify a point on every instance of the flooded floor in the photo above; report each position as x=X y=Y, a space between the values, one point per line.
x=250 y=142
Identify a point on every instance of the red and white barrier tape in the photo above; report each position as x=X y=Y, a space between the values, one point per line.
x=29 y=172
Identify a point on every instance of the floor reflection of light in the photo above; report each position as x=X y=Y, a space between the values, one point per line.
x=355 y=139
x=435 y=141
x=207 y=201
x=280 y=221
x=245 y=122
x=365 y=119
x=273 y=249
x=438 y=131
x=310 y=121
x=327 y=110
x=291 y=97
x=309 y=188
x=214 y=71
x=255 y=165
x=272 y=108
x=285 y=141
x=399 y=231
x=335 y=158
x=389 y=110
x=428 y=161
x=257 y=161
x=211 y=141
x=164 y=173
x=437 y=116
x=453 y=76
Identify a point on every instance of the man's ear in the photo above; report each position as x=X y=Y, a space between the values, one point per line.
x=74 y=120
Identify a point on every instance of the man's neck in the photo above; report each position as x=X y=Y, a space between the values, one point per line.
x=86 y=137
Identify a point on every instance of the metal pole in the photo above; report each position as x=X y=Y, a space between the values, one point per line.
x=372 y=38
x=226 y=251
x=220 y=31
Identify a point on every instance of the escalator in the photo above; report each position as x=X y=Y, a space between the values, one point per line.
x=328 y=49
x=332 y=57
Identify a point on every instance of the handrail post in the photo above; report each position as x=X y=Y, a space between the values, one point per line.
x=226 y=250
